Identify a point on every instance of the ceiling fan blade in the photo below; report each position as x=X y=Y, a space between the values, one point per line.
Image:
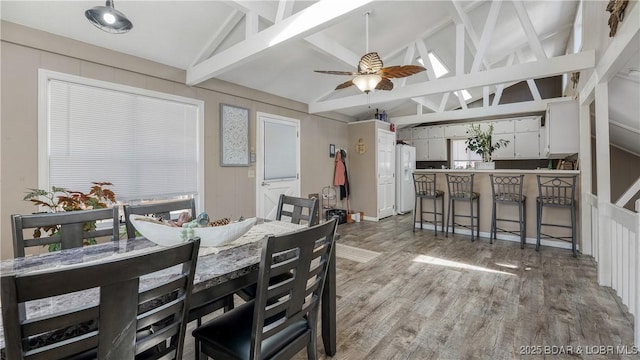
x=370 y=63
x=344 y=85
x=401 y=71
x=332 y=72
x=385 y=84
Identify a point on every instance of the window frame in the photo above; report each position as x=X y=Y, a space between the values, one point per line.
x=46 y=76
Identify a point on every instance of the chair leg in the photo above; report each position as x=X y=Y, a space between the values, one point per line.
x=442 y=212
x=453 y=216
x=573 y=231
x=492 y=235
x=539 y=223
x=415 y=209
x=421 y=212
x=472 y=227
x=435 y=215
x=522 y=222
x=478 y=219
x=446 y=229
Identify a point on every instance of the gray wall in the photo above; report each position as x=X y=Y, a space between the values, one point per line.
x=229 y=191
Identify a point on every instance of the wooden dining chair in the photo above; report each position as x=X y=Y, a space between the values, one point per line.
x=282 y=320
x=111 y=328
x=73 y=228
x=164 y=210
x=298 y=209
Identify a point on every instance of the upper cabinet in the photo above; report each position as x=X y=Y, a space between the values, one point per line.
x=561 y=130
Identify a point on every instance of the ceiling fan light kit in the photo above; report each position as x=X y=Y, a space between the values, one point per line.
x=107 y=18
x=366 y=83
x=371 y=74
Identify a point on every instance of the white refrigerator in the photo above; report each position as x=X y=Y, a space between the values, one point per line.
x=405 y=166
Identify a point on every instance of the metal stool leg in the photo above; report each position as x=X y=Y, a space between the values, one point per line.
x=573 y=230
x=415 y=210
x=435 y=215
x=442 y=214
x=471 y=212
x=539 y=223
x=492 y=234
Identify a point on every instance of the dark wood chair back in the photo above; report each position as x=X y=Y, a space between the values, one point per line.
x=75 y=228
x=298 y=209
x=284 y=316
x=112 y=328
x=162 y=209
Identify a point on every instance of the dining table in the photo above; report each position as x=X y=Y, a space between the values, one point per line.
x=220 y=271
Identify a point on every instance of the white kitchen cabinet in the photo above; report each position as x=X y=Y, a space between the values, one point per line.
x=530 y=124
x=506 y=152
x=503 y=127
x=456 y=131
x=419 y=133
x=527 y=145
x=437 y=149
x=562 y=130
x=404 y=134
x=436 y=132
x=422 y=149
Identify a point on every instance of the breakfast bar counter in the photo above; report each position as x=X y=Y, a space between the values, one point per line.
x=482 y=185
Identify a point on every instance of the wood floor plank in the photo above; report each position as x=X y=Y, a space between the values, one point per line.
x=437 y=297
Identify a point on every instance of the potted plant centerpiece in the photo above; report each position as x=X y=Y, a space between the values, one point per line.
x=480 y=142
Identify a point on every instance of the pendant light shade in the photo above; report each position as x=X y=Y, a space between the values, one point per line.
x=108 y=19
x=366 y=83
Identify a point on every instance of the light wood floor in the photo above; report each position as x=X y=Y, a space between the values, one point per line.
x=431 y=297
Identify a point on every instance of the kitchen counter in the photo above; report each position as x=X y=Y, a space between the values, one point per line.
x=482 y=185
x=502 y=171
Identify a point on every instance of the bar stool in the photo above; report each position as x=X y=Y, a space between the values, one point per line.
x=558 y=192
x=461 y=189
x=425 y=186
x=508 y=190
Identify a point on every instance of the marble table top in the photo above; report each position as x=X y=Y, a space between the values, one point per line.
x=215 y=265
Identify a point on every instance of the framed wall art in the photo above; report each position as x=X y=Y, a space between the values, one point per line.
x=234 y=136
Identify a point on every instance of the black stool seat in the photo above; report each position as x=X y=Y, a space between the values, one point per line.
x=507 y=190
x=425 y=188
x=461 y=189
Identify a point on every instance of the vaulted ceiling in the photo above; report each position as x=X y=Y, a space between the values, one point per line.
x=275 y=46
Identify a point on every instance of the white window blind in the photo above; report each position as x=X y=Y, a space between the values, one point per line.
x=147 y=146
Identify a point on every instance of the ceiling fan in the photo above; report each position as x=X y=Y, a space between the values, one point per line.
x=371 y=74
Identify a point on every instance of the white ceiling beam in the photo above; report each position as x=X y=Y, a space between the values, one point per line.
x=487 y=33
x=530 y=82
x=485 y=96
x=409 y=55
x=251 y=24
x=423 y=101
x=545 y=68
x=624 y=45
x=500 y=87
x=460 y=17
x=443 y=103
x=512 y=109
x=330 y=47
x=316 y=17
x=424 y=54
x=546 y=36
x=285 y=9
x=527 y=25
x=460 y=96
x=261 y=8
x=225 y=29
x=459 y=49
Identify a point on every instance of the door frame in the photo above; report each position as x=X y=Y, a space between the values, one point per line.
x=260 y=118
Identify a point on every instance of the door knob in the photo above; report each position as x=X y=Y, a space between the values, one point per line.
x=264 y=183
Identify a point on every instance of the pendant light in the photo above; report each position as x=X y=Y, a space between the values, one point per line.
x=107 y=18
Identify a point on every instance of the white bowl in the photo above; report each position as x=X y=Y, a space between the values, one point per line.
x=209 y=236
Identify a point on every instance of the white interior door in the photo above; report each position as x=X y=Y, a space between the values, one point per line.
x=277 y=162
x=386 y=173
